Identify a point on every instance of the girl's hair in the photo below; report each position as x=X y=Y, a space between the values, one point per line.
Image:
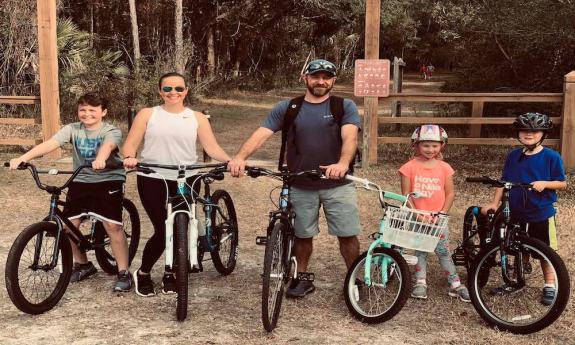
x=94 y=99
x=167 y=75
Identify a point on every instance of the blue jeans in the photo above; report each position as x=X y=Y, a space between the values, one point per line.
x=444 y=256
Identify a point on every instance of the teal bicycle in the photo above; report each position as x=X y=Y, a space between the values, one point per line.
x=378 y=283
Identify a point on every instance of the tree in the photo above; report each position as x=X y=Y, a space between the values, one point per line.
x=135 y=34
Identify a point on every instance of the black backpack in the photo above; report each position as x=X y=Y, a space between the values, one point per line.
x=337 y=111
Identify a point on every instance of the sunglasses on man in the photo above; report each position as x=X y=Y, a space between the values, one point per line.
x=179 y=89
x=321 y=66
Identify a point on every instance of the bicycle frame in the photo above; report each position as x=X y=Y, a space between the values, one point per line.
x=185 y=196
x=56 y=215
x=507 y=229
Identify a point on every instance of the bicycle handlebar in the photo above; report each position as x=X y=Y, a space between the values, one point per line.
x=217 y=173
x=498 y=183
x=257 y=172
x=36 y=172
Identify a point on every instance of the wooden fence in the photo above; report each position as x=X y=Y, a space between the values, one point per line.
x=16 y=100
x=566 y=142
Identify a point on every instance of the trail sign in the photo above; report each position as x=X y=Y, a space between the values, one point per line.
x=371 y=78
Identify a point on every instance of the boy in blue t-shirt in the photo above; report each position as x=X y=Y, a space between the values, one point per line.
x=543 y=168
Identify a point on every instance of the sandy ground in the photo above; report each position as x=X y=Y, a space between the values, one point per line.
x=226 y=310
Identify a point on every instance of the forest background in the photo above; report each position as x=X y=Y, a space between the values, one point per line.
x=120 y=47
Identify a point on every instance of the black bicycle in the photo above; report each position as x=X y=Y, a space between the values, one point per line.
x=185 y=247
x=39 y=264
x=504 y=287
x=279 y=240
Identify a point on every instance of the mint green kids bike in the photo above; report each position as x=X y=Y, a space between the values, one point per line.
x=378 y=283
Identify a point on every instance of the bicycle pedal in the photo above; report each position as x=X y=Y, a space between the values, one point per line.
x=459 y=258
x=261 y=240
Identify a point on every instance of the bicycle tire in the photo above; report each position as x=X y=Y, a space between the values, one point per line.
x=15 y=267
x=471 y=238
x=493 y=308
x=226 y=230
x=131 y=226
x=399 y=281
x=181 y=264
x=273 y=286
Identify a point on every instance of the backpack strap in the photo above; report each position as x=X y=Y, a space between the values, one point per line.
x=337 y=111
x=289 y=118
x=336 y=108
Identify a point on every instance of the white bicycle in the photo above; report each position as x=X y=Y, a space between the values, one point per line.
x=188 y=236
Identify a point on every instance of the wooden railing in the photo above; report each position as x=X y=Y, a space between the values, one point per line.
x=566 y=142
x=15 y=100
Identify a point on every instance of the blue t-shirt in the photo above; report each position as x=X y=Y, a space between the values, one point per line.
x=314 y=138
x=532 y=206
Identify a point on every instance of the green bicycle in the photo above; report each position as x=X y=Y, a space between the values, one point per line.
x=378 y=284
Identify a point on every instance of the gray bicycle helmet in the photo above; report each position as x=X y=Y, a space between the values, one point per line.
x=533 y=122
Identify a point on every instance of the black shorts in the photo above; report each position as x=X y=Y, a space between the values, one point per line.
x=544 y=231
x=102 y=199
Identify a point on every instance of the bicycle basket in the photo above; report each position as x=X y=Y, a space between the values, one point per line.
x=414 y=229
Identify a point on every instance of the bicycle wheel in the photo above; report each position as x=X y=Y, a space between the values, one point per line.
x=274 y=277
x=36 y=287
x=224 y=233
x=131 y=226
x=181 y=264
x=378 y=302
x=518 y=310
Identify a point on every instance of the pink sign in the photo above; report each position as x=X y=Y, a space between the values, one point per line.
x=371 y=78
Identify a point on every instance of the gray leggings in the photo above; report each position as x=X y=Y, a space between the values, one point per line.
x=444 y=256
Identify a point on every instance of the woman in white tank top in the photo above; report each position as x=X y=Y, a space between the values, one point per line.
x=169 y=132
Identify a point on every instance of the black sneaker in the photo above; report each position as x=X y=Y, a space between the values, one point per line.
x=124 y=282
x=143 y=284
x=82 y=271
x=548 y=295
x=168 y=284
x=301 y=286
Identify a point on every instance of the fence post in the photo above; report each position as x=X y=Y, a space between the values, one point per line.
x=476 y=111
x=568 y=122
x=205 y=155
x=48 y=56
x=370 y=122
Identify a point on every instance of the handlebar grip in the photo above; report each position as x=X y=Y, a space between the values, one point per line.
x=356 y=179
x=253 y=172
x=6 y=164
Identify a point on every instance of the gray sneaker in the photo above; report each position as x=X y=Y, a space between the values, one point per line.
x=82 y=271
x=124 y=282
x=460 y=292
x=419 y=291
x=548 y=295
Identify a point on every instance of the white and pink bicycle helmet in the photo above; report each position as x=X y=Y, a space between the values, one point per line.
x=429 y=133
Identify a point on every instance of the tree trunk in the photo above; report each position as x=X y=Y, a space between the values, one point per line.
x=135 y=35
x=179 y=40
x=211 y=54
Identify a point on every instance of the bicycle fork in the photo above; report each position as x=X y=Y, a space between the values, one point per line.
x=192 y=237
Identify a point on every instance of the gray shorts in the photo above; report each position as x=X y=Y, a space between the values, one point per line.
x=339 y=206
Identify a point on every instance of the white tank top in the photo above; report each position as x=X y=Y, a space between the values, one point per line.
x=170 y=139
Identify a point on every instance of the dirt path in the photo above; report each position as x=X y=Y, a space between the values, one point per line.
x=226 y=310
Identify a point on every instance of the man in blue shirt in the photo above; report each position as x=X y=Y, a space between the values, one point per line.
x=316 y=140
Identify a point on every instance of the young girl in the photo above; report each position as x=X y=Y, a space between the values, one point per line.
x=429 y=175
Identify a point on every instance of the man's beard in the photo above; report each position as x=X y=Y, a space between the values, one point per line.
x=319 y=91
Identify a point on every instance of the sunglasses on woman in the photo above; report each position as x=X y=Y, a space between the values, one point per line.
x=179 y=89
